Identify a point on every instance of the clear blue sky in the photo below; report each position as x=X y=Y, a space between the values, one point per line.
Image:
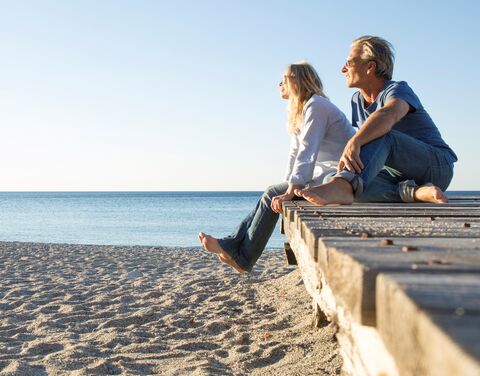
x=159 y=95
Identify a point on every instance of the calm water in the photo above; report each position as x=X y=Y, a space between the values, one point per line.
x=126 y=218
x=123 y=218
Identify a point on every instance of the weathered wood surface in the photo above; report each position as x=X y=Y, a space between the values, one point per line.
x=351 y=266
x=437 y=315
x=467 y=209
x=344 y=251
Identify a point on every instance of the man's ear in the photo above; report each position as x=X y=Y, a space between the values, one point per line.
x=372 y=65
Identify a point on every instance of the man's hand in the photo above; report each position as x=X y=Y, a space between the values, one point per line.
x=378 y=124
x=350 y=158
x=277 y=202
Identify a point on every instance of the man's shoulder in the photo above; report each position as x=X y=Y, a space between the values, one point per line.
x=400 y=90
x=397 y=89
x=397 y=85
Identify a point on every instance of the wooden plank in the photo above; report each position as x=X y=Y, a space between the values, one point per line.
x=459 y=196
x=351 y=265
x=391 y=210
x=407 y=206
x=451 y=203
x=289 y=209
x=379 y=215
x=472 y=210
x=386 y=227
x=431 y=323
x=468 y=210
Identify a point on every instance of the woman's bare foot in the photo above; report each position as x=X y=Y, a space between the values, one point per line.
x=337 y=191
x=430 y=193
x=211 y=244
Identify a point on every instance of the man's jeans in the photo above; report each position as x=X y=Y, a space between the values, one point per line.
x=394 y=165
x=248 y=241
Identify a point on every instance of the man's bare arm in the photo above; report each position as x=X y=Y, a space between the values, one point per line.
x=382 y=121
x=377 y=124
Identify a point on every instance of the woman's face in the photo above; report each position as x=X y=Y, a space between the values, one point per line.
x=283 y=86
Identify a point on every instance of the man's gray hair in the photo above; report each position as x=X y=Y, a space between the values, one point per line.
x=378 y=50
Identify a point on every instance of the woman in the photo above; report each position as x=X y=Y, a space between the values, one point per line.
x=320 y=132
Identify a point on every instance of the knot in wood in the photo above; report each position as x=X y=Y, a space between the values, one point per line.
x=385 y=242
x=409 y=248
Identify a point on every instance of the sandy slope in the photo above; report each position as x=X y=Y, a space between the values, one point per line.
x=85 y=310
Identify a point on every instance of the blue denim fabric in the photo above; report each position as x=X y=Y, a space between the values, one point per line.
x=248 y=241
x=394 y=165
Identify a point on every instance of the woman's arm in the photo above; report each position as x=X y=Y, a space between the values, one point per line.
x=315 y=122
x=277 y=201
x=292 y=156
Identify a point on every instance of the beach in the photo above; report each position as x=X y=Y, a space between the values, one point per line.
x=98 y=310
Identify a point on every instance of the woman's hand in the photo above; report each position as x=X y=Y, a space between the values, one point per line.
x=350 y=158
x=277 y=201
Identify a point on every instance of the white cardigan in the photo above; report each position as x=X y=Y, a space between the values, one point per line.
x=316 y=149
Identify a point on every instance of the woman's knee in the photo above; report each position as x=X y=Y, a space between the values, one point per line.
x=272 y=191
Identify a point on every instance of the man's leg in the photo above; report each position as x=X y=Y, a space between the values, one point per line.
x=413 y=159
x=410 y=157
x=384 y=188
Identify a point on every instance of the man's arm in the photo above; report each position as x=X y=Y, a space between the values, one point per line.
x=377 y=124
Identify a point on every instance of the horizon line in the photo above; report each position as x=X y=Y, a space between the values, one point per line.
x=166 y=191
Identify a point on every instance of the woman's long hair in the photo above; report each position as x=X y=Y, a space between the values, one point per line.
x=303 y=82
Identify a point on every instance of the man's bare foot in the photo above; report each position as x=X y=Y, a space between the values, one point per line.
x=337 y=191
x=430 y=193
x=210 y=244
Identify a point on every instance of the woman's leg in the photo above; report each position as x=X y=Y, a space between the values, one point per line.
x=260 y=228
x=245 y=245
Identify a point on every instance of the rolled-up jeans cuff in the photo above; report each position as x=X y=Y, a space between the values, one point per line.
x=225 y=244
x=407 y=189
x=354 y=179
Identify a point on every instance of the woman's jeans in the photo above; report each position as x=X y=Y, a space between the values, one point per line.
x=394 y=165
x=248 y=241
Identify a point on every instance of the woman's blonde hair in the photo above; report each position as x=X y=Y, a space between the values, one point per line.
x=303 y=82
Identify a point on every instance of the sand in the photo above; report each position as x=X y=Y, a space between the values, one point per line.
x=98 y=310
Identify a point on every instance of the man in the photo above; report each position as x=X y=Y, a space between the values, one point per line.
x=398 y=154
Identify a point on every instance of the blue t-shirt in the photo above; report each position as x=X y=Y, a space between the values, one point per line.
x=417 y=123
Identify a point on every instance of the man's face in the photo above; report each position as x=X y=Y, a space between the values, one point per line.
x=355 y=68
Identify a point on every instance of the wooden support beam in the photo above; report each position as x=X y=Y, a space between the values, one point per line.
x=291 y=260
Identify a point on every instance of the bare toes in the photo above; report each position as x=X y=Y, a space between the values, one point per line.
x=298 y=192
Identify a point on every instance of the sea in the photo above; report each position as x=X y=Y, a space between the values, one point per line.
x=169 y=219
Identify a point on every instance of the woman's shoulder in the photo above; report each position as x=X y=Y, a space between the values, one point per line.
x=317 y=102
x=316 y=98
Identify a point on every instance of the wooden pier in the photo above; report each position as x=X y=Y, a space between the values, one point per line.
x=402 y=282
